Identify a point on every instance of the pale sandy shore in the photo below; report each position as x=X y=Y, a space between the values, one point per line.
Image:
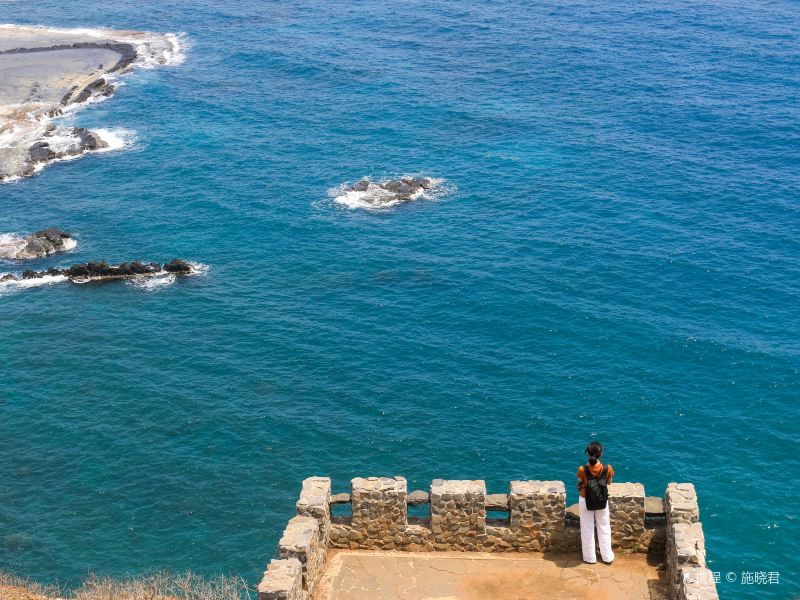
x=47 y=71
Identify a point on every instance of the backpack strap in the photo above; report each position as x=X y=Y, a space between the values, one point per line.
x=604 y=474
x=587 y=473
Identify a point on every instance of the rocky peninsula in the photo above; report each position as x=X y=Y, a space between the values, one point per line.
x=45 y=72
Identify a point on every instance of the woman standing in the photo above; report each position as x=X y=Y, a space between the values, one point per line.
x=593 y=480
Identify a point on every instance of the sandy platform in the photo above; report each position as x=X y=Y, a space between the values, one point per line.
x=46 y=71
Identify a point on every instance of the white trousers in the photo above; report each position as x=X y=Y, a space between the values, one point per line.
x=590 y=518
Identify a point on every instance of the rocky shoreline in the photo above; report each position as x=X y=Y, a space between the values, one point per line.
x=102 y=271
x=46 y=71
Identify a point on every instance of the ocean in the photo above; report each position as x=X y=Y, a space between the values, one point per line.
x=615 y=256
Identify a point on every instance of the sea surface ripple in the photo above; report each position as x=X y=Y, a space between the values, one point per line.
x=618 y=259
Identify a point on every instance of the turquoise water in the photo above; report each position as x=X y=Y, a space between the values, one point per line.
x=617 y=259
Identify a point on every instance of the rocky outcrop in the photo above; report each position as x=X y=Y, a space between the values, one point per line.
x=177 y=265
x=60 y=143
x=37 y=245
x=384 y=194
x=102 y=271
x=47 y=71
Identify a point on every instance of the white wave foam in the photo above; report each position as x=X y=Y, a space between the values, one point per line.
x=199 y=268
x=377 y=198
x=178 y=46
x=11 y=244
x=115 y=138
x=163 y=279
x=153 y=282
x=7 y=287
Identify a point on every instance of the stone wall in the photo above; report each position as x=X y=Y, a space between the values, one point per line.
x=283 y=580
x=301 y=540
x=458 y=514
x=536 y=518
x=688 y=577
x=626 y=507
x=315 y=501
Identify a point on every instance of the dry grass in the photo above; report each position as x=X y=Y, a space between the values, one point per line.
x=18 y=588
x=158 y=586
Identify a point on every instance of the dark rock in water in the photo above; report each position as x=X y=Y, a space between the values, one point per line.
x=54 y=235
x=84 y=141
x=37 y=245
x=423 y=182
x=102 y=271
x=97 y=269
x=177 y=266
x=390 y=192
x=88 y=140
x=99 y=87
x=41 y=152
x=393 y=185
x=138 y=268
x=76 y=271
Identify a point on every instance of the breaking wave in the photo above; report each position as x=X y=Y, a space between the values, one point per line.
x=7 y=287
x=11 y=244
x=163 y=280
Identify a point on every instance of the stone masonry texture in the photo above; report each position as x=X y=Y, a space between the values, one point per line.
x=537 y=521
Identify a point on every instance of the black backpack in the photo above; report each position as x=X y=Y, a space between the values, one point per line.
x=596 y=490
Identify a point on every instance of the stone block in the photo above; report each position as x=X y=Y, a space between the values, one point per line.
x=497 y=502
x=680 y=504
x=653 y=506
x=696 y=583
x=418 y=497
x=537 y=512
x=315 y=501
x=301 y=540
x=283 y=580
x=626 y=507
x=458 y=514
x=573 y=513
x=379 y=509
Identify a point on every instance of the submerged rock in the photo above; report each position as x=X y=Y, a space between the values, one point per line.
x=37 y=245
x=383 y=194
x=102 y=271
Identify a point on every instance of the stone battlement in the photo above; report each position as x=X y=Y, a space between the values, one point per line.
x=536 y=520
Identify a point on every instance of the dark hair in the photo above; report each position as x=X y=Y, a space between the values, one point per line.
x=594 y=450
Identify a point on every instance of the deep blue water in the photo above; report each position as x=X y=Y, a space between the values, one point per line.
x=618 y=259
